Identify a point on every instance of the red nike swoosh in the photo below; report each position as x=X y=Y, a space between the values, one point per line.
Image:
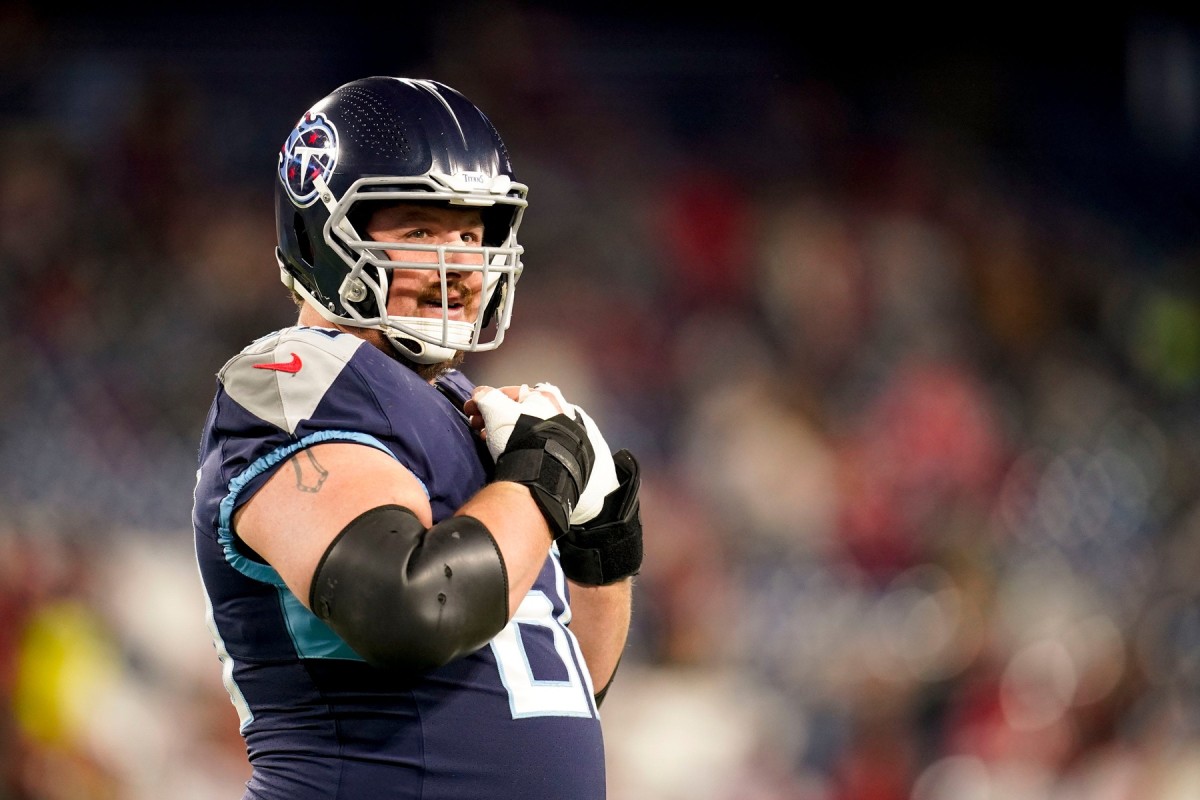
x=292 y=366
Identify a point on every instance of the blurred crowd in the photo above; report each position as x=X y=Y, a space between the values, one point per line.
x=917 y=421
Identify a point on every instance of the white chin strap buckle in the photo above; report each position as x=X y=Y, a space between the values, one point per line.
x=454 y=336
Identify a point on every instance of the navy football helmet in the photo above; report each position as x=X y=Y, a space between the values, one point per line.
x=383 y=139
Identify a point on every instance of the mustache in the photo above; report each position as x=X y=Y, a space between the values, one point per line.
x=456 y=290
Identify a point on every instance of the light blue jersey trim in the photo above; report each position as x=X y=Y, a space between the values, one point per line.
x=253 y=569
x=311 y=637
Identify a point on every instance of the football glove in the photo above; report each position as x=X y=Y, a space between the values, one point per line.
x=608 y=548
x=536 y=445
x=604 y=474
x=500 y=414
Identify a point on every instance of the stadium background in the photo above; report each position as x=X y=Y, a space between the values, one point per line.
x=901 y=314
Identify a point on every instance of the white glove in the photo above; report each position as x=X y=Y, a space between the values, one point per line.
x=500 y=412
x=544 y=400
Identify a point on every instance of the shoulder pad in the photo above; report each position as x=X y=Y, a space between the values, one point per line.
x=282 y=377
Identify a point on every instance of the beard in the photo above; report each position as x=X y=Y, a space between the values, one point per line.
x=431 y=295
x=430 y=372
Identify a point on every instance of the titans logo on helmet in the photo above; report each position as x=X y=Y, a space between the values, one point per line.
x=311 y=150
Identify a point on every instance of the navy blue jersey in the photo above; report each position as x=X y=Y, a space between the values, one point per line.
x=515 y=719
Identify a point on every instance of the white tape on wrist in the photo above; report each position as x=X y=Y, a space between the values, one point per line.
x=603 y=478
x=500 y=412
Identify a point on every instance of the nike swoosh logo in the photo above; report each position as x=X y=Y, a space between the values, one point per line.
x=292 y=366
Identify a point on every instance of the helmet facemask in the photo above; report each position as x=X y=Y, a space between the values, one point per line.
x=363 y=293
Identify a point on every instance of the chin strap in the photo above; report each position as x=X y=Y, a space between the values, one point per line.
x=417 y=351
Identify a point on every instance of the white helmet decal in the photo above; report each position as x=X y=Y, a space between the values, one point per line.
x=311 y=151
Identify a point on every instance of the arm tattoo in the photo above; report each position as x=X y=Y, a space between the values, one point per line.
x=310 y=475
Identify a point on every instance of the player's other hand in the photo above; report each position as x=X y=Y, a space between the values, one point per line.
x=608 y=548
x=603 y=479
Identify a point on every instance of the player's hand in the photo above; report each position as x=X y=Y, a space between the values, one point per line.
x=603 y=480
x=494 y=412
x=538 y=439
x=608 y=548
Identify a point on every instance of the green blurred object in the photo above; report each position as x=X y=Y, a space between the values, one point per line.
x=1165 y=341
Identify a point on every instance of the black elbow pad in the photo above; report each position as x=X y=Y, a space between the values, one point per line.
x=409 y=598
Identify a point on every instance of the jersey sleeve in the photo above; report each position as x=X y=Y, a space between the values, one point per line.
x=281 y=394
x=306 y=386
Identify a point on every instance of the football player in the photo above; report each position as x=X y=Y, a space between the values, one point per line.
x=417 y=588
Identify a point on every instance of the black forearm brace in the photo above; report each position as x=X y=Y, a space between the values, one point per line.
x=404 y=597
x=609 y=547
x=553 y=457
